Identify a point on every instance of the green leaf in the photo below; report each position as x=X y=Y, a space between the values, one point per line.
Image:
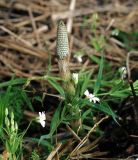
x=96 y=44
x=121 y=94
x=56 y=120
x=116 y=87
x=99 y=78
x=87 y=112
x=104 y=107
x=43 y=143
x=56 y=86
x=84 y=85
x=95 y=59
x=27 y=100
x=12 y=82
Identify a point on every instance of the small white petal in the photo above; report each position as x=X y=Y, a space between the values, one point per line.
x=42 y=118
x=123 y=72
x=96 y=99
x=39 y=114
x=86 y=93
x=43 y=123
x=91 y=96
x=122 y=69
x=79 y=58
x=90 y=99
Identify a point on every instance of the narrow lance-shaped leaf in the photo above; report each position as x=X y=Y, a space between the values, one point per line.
x=99 y=78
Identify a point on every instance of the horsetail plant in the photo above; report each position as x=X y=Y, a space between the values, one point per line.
x=69 y=83
x=63 y=61
x=62 y=41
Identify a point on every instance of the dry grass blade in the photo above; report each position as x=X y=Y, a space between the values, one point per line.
x=74 y=134
x=66 y=147
x=53 y=153
x=88 y=147
x=90 y=155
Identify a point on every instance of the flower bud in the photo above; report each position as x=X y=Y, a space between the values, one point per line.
x=6 y=112
x=75 y=77
x=7 y=122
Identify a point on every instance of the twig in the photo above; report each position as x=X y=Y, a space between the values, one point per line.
x=135 y=110
x=117 y=42
x=70 y=19
x=127 y=62
x=128 y=158
x=110 y=24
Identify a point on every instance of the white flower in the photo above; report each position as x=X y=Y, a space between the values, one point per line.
x=123 y=72
x=115 y=32
x=75 y=77
x=42 y=118
x=79 y=58
x=91 y=97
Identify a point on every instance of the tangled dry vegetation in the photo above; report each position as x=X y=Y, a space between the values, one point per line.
x=28 y=33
